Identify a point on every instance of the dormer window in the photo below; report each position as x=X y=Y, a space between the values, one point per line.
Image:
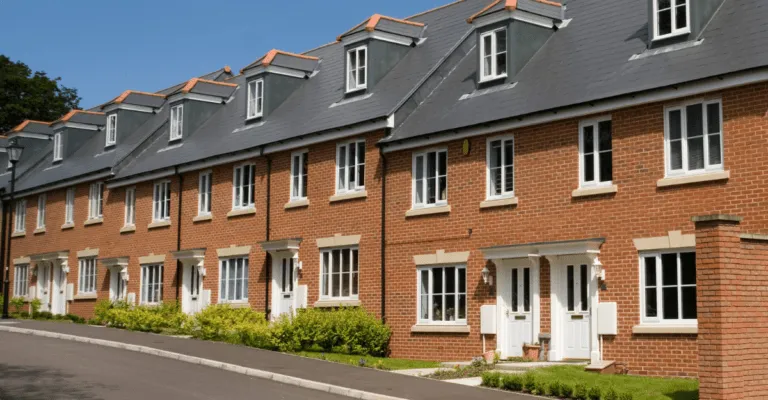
x=177 y=115
x=357 y=71
x=493 y=55
x=672 y=18
x=111 y=130
x=58 y=147
x=255 y=98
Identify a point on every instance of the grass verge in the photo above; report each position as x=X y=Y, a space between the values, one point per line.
x=384 y=363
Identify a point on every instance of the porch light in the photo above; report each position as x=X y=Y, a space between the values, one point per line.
x=487 y=278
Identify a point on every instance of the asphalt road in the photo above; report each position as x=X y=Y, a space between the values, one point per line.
x=41 y=369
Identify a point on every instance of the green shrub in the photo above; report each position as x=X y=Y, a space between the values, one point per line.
x=580 y=392
x=346 y=330
x=611 y=394
x=512 y=382
x=34 y=307
x=24 y=315
x=17 y=303
x=44 y=315
x=529 y=383
x=594 y=393
x=554 y=389
x=491 y=379
x=222 y=322
x=566 y=391
x=627 y=396
x=160 y=318
x=540 y=388
x=75 y=318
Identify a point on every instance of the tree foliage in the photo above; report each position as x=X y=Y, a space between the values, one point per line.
x=27 y=95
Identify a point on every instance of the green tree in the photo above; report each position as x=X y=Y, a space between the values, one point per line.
x=28 y=95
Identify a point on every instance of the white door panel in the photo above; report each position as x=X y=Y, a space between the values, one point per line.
x=577 y=313
x=519 y=311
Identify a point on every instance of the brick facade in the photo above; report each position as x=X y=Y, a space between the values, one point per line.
x=546 y=173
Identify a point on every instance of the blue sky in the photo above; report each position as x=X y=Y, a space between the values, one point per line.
x=104 y=47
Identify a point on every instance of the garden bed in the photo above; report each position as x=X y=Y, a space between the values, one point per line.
x=572 y=382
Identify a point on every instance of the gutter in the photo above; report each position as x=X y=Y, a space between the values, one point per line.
x=61 y=184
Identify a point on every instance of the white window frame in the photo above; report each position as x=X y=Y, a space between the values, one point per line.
x=438 y=202
x=457 y=292
x=241 y=188
x=302 y=155
x=69 y=207
x=241 y=274
x=343 y=172
x=20 y=216
x=177 y=122
x=493 y=52
x=675 y=30
x=87 y=275
x=659 y=319
x=682 y=107
x=356 y=53
x=111 y=133
x=490 y=195
x=327 y=278
x=41 y=200
x=595 y=124
x=255 y=105
x=21 y=280
x=161 y=201
x=96 y=201
x=130 y=206
x=58 y=147
x=204 y=192
x=157 y=271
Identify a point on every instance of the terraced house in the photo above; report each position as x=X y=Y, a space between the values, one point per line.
x=483 y=176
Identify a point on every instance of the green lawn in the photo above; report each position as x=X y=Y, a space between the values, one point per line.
x=375 y=362
x=643 y=388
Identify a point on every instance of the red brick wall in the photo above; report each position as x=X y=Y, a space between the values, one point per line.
x=546 y=172
x=732 y=275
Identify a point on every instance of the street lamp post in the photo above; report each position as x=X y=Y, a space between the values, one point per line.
x=14 y=154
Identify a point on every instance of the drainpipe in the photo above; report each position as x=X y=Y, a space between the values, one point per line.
x=383 y=232
x=178 y=234
x=3 y=232
x=268 y=258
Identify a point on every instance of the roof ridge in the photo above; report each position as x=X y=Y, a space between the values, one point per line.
x=72 y=113
x=194 y=81
x=125 y=94
x=23 y=124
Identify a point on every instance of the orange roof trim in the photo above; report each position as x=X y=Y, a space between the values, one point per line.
x=72 y=113
x=194 y=81
x=124 y=95
x=20 y=127
x=370 y=23
x=227 y=69
x=509 y=5
x=267 y=59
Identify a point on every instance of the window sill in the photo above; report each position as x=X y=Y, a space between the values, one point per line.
x=86 y=296
x=595 y=191
x=201 y=218
x=649 y=329
x=296 y=204
x=415 y=212
x=671 y=35
x=503 y=202
x=67 y=226
x=491 y=79
x=158 y=224
x=236 y=304
x=239 y=212
x=330 y=303
x=93 y=221
x=19 y=234
x=699 y=178
x=348 y=196
x=427 y=328
x=128 y=228
x=38 y=231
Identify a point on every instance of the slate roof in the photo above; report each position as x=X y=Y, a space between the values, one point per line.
x=226 y=131
x=590 y=60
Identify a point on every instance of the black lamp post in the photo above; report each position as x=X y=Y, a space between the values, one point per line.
x=14 y=154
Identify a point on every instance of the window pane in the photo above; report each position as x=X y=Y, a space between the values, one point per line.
x=694 y=119
x=431 y=183
x=675 y=125
x=345 y=274
x=715 y=152
x=669 y=269
x=501 y=49
x=584 y=288
x=437 y=308
x=651 y=309
x=570 y=288
x=361 y=164
x=336 y=280
x=342 y=167
x=515 y=291
x=354 y=271
x=665 y=22
x=681 y=17
x=650 y=271
x=676 y=155
x=487 y=58
x=688 y=268
x=696 y=153
x=495 y=154
x=527 y=289
x=669 y=302
x=606 y=166
x=713 y=118
x=424 y=291
x=588 y=144
x=437 y=281
x=326 y=268
x=689 y=302
x=462 y=306
x=604 y=131
x=589 y=167
x=509 y=178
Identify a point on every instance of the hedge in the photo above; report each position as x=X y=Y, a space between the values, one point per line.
x=528 y=383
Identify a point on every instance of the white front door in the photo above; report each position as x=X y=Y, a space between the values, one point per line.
x=282 y=284
x=58 y=290
x=44 y=286
x=191 y=301
x=519 y=313
x=116 y=285
x=576 y=335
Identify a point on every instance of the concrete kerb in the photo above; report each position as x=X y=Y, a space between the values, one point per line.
x=257 y=373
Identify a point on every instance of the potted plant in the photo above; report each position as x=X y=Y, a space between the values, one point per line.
x=531 y=351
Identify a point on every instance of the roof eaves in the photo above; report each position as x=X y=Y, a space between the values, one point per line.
x=72 y=113
x=20 y=127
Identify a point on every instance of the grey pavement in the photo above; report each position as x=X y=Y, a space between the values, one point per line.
x=38 y=368
x=364 y=379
